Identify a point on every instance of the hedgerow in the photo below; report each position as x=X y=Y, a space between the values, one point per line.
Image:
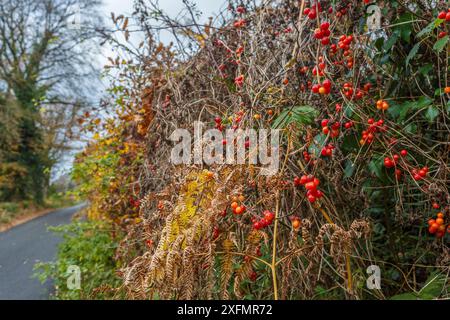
x=363 y=178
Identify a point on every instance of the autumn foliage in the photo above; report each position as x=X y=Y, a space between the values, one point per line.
x=364 y=115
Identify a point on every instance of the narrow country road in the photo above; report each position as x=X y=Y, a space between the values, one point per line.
x=21 y=247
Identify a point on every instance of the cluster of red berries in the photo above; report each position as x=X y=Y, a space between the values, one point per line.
x=310 y=183
x=369 y=134
x=219 y=125
x=265 y=221
x=437 y=226
x=327 y=151
x=324 y=88
x=419 y=174
x=334 y=128
x=389 y=163
x=311 y=12
x=318 y=70
x=323 y=33
x=444 y=15
x=350 y=93
x=345 y=42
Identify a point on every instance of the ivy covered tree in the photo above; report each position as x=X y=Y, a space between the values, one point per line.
x=47 y=68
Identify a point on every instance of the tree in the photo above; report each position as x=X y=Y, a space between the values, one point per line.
x=47 y=66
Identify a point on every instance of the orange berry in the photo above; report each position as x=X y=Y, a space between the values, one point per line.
x=238 y=210
x=431 y=221
x=296 y=224
x=257 y=116
x=322 y=90
x=379 y=104
x=270 y=112
x=234 y=205
x=440 y=215
x=241 y=198
x=385 y=106
x=447 y=89
x=440 y=221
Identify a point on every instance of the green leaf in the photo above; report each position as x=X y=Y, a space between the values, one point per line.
x=349 y=168
x=400 y=111
x=404 y=296
x=348 y=110
x=412 y=53
x=411 y=128
x=433 y=287
x=425 y=69
x=376 y=166
x=298 y=114
x=391 y=41
x=404 y=26
x=319 y=142
x=440 y=44
x=350 y=143
x=431 y=113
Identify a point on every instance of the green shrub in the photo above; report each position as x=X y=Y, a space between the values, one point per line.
x=88 y=245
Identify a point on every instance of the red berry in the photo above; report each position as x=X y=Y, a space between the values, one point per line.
x=268 y=216
x=442 y=34
x=324 y=25
x=310 y=186
x=442 y=15
x=403 y=153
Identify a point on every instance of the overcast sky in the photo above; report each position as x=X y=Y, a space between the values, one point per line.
x=173 y=7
